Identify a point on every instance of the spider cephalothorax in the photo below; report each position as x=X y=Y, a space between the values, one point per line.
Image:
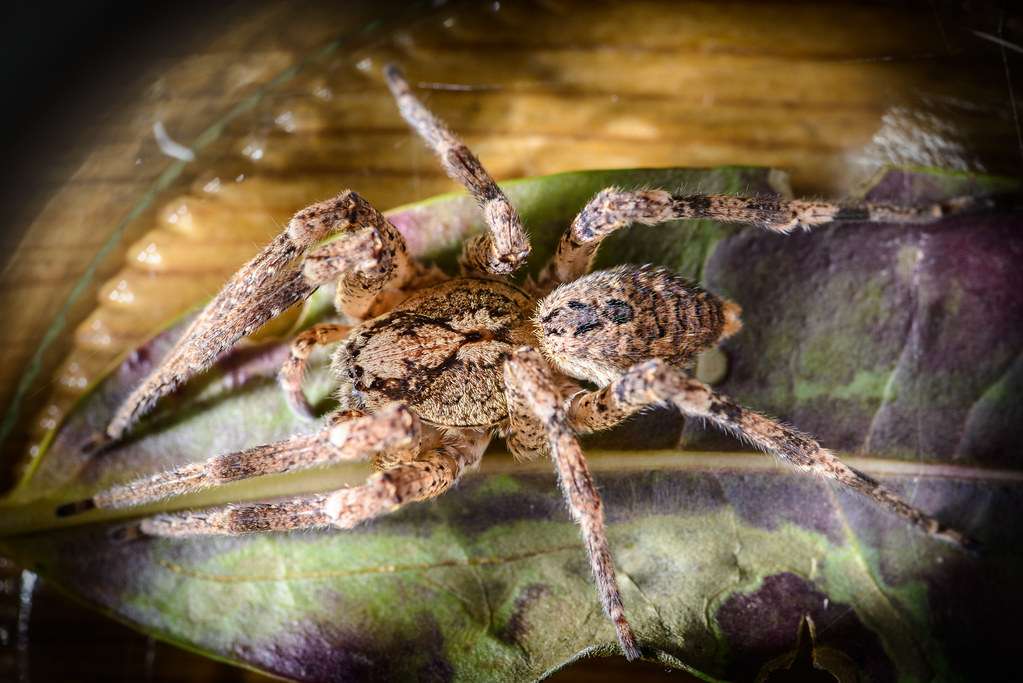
x=440 y=352
x=430 y=367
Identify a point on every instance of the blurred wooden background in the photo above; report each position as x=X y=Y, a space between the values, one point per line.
x=282 y=104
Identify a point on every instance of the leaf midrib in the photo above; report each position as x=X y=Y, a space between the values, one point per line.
x=38 y=515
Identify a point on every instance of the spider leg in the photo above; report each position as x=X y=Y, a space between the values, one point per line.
x=526 y=435
x=428 y=476
x=293 y=370
x=505 y=247
x=351 y=436
x=612 y=209
x=655 y=382
x=370 y=257
x=529 y=375
x=273 y=281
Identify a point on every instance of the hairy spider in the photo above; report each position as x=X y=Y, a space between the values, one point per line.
x=431 y=367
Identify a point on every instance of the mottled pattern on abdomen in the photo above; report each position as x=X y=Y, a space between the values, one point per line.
x=598 y=326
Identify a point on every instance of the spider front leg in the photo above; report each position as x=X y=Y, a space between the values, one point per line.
x=505 y=247
x=352 y=436
x=532 y=389
x=371 y=256
x=612 y=209
x=655 y=382
x=427 y=476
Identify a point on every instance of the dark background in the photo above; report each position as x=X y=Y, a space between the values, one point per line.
x=67 y=62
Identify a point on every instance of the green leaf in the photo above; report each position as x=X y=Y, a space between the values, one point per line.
x=894 y=340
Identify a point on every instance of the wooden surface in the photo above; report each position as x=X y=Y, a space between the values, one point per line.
x=283 y=105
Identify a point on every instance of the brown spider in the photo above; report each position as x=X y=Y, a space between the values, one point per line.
x=432 y=367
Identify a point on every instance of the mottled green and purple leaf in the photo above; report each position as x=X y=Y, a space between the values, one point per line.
x=898 y=345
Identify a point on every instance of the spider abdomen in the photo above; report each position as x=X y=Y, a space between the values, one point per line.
x=440 y=352
x=598 y=326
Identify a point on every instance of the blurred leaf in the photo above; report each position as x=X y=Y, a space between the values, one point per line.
x=721 y=555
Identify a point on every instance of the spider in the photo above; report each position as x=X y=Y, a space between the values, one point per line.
x=431 y=367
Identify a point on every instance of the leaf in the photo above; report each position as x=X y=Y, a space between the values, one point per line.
x=721 y=555
x=433 y=229
x=902 y=341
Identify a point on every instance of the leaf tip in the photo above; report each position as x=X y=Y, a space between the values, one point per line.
x=76 y=507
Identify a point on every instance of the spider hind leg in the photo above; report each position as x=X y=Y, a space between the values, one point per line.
x=612 y=209
x=528 y=376
x=655 y=382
